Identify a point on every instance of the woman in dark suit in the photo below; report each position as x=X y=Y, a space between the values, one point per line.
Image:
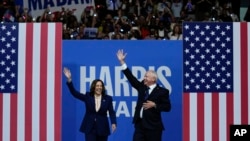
x=95 y=123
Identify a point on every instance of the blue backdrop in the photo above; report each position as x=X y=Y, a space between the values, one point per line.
x=93 y=59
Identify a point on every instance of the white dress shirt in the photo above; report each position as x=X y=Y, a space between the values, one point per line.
x=149 y=92
x=98 y=102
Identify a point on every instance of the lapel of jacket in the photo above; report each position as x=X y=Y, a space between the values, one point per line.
x=103 y=101
x=154 y=91
x=92 y=102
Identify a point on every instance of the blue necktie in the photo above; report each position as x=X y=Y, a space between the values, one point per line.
x=146 y=93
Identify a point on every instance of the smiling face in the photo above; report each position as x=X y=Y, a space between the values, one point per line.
x=98 y=88
x=150 y=78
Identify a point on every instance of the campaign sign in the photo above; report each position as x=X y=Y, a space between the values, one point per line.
x=92 y=59
x=37 y=7
x=90 y=32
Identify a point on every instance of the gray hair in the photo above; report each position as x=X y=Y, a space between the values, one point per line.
x=154 y=74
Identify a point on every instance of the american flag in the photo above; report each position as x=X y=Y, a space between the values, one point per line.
x=30 y=81
x=215 y=79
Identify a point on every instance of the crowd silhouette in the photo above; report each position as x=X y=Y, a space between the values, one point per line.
x=128 y=19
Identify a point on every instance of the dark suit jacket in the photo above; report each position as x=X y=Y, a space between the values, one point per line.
x=152 y=117
x=92 y=117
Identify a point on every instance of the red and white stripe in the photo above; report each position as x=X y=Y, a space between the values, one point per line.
x=208 y=116
x=34 y=112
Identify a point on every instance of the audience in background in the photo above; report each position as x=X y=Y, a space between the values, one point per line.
x=176 y=33
x=127 y=19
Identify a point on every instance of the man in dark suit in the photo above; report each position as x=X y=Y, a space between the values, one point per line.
x=95 y=123
x=152 y=100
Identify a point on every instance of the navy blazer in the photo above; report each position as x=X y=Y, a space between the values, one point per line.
x=151 y=117
x=91 y=117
